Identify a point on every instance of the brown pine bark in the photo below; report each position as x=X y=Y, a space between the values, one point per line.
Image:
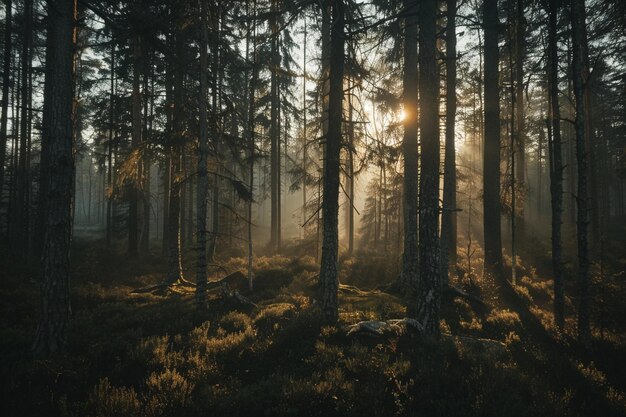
x=448 y=216
x=409 y=273
x=491 y=148
x=203 y=152
x=582 y=199
x=429 y=285
x=556 y=165
x=175 y=269
x=58 y=138
x=6 y=85
x=133 y=207
x=329 y=283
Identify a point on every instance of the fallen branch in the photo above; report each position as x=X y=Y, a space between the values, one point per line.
x=455 y=291
x=181 y=282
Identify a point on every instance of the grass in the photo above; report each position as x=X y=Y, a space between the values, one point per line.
x=155 y=355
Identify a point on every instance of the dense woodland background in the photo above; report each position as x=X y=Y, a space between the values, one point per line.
x=299 y=207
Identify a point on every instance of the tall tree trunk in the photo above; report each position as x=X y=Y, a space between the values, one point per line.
x=520 y=130
x=350 y=175
x=582 y=221
x=22 y=205
x=491 y=148
x=250 y=130
x=133 y=206
x=275 y=132
x=409 y=274
x=148 y=99
x=215 y=132
x=58 y=137
x=6 y=85
x=556 y=165
x=329 y=283
x=448 y=217
x=175 y=268
x=109 y=219
x=304 y=132
x=203 y=151
x=429 y=285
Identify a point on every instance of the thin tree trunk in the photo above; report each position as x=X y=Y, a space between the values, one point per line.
x=329 y=283
x=109 y=224
x=215 y=133
x=448 y=217
x=23 y=185
x=203 y=151
x=6 y=85
x=133 y=206
x=520 y=129
x=409 y=274
x=582 y=221
x=175 y=269
x=275 y=132
x=251 y=152
x=58 y=136
x=556 y=165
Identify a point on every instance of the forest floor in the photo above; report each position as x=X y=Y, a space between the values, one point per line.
x=155 y=354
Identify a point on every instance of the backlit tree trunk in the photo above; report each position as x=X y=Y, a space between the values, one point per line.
x=582 y=212
x=429 y=285
x=329 y=283
x=556 y=165
x=409 y=274
x=491 y=148
x=448 y=216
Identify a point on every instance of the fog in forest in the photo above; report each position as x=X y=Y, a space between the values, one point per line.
x=313 y=208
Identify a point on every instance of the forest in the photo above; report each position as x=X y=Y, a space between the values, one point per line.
x=313 y=208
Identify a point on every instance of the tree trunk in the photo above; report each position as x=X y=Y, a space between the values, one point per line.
x=109 y=220
x=448 y=217
x=251 y=152
x=203 y=151
x=215 y=106
x=133 y=206
x=491 y=147
x=556 y=165
x=582 y=221
x=22 y=205
x=409 y=274
x=175 y=269
x=275 y=132
x=329 y=283
x=6 y=85
x=429 y=285
x=520 y=129
x=58 y=137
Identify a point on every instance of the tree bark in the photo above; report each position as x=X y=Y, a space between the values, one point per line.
x=6 y=85
x=582 y=212
x=491 y=148
x=409 y=274
x=429 y=285
x=329 y=283
x=175 y=269
x=448 y=217
x=275 y=133
x=23 y=206
x=133 y=206
x=58 y=136
x=203 y=151
x=556 y=165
